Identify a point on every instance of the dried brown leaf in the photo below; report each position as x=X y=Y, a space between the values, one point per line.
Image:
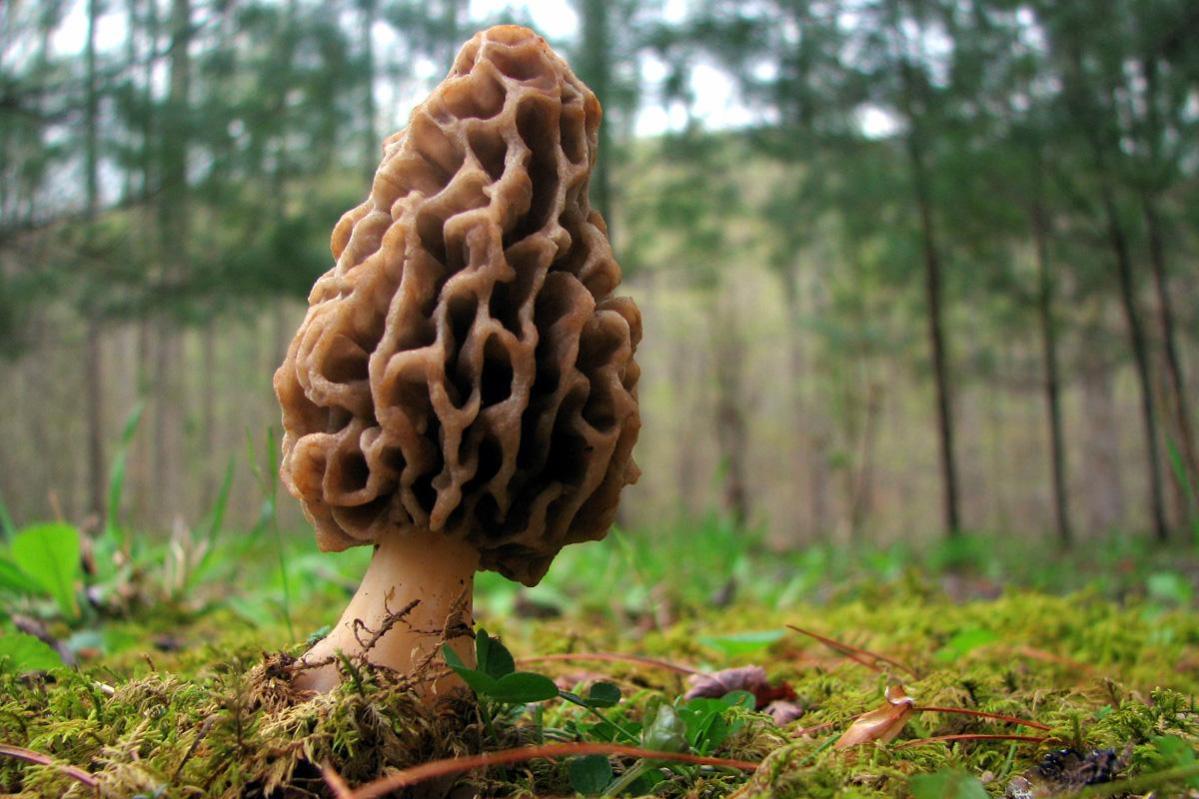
x=881 y=724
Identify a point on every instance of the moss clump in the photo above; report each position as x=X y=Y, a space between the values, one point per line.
x=238 y=730
x=219 y=719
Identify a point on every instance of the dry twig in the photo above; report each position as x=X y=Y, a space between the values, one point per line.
x=613 y=657
x=30 y=756
x=457 y=765
x=863 y=657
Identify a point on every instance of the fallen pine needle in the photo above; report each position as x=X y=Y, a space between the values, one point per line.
x=1040 y=739
x=1050 y=657
x=30 y=756
x=828 y=725
x=861 y=656
x=997 y=716
x=457 y=765
x=612 y=657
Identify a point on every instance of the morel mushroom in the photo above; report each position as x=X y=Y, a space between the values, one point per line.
x=462 y=392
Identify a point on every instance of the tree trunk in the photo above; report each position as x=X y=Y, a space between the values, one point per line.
x=1165 y=312
x=1095 y=121
x=810 y=445
x=93 y=366
x=1104 y=486
x=175 y=232
x=1052 y=382
x=1149 y=191
x=687 y=473
x=208 y=381
x=93 y=371
x=1140 y=353
x=162 y=491
x=371 y=144
x=595 y=69
x=143 y=457
x=862 y=495
x=936 y=336
x=141 y=469
x=732 y=435
x=922 y=189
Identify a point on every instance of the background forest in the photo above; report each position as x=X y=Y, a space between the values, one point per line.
x=909 y=268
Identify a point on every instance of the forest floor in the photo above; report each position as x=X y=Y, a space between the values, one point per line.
x=180 y=657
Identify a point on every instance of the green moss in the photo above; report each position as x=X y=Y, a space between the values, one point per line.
x=218 y=718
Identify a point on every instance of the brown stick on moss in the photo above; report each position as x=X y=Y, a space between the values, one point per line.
x=462 y=392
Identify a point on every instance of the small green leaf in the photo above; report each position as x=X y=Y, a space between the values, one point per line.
x=1174 y=752
x=947 y=785
x=1170 y=588
x=49 y=553
x=603 y=694
x=740 y=698
x=521 y=687
x=17 y=581
x=964 y=642
x=23 y=653
x=742 y=643
x=704 y=721
x=451 y=658
x=493 y=657
x=590 y=775
x=479 y=682
x=667 y=732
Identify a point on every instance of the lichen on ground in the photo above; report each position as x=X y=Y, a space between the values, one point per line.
x=215 y=715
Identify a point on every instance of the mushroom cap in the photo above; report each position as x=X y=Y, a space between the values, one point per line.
x=464 y=367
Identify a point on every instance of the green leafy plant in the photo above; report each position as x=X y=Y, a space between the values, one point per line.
x=947 y=785
x=43 y=560
x=696 y=725
x=708 y=723
x=590 y=775
x=746 y=643
x=496 y=678
x=22 y=653
x=668 y=732
x=1172 y=752
x=964 y=642
x=1169 y=588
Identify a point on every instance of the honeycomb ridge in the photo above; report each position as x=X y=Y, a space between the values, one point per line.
x=464 y=367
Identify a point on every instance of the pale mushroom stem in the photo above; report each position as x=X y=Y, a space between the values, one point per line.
x=432 y=569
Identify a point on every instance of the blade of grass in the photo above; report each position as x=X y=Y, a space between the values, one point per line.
x=268 y=482
x=116 y=481
x=1188 y=488
x=216 y=518
x=7 y=528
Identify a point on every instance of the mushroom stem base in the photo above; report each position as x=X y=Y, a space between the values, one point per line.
x=383 y=625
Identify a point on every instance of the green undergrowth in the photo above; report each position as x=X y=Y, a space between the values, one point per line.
x=197 y=702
